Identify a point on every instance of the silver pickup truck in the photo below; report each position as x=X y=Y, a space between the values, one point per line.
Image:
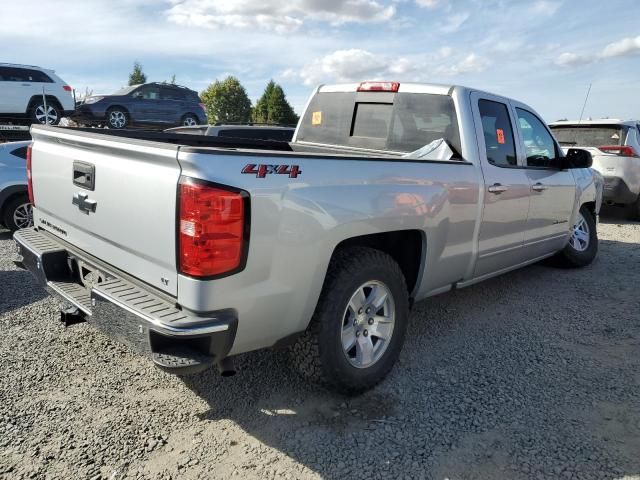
x=389 y=193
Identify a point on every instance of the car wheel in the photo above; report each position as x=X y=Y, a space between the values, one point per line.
x=18 y=213
x=117 y=118
x=358 y=328
x=583 y=241
x=50 y=115
x=189 y=120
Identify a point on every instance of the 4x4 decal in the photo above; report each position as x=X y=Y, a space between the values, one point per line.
x=261 y=171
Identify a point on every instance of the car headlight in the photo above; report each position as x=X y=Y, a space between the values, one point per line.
x=91 y=100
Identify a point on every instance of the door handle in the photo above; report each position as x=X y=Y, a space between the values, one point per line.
x=498 y=188
x=538 y=187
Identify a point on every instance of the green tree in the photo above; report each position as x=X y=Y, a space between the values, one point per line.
x=137 y=76
x=226 y=101
x=273 y=107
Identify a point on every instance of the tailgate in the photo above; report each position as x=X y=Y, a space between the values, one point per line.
x=127 y=217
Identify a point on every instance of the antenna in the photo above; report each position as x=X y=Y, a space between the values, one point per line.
x=585 y=103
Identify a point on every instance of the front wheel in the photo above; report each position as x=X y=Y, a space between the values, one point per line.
x=358 y=328
x=583 y=241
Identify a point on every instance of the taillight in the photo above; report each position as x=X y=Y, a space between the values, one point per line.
x=66 y=88
x=29 y=181
x=203 y=106
x=378 y=87
x=624 y=151
x=212 y=229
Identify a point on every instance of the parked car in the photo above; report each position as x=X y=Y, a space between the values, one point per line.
x=21 y=95
x=615 y=148
x=15 y=208
x=281 y=133
x=389 y=193
x=147 y=105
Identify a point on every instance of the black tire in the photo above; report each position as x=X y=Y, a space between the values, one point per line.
x=634 y=210
x=189 y=120
x=117 y=118
x=37 y=112
x=574 y=257
x=12 y=207
x=318 y=354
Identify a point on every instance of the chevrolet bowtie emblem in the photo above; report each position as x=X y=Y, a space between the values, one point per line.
x=84 y=204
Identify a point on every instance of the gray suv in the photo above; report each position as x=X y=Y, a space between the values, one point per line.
x=151 y=105
x=15 y=207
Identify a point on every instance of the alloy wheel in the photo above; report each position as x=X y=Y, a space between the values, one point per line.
x=579 y=239
x=117 y=119
x=23 y=216
x=367 y=324
x=48 y=117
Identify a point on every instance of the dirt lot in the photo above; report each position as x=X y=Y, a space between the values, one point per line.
x=531 y=375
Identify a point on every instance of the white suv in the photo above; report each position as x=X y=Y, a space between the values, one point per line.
x=615 y=148
x=21 y=95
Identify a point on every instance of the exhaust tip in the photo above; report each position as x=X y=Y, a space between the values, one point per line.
x=226 y=367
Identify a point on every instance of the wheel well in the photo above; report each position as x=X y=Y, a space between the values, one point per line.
x=18 y=192
x=406 y=247
x=113 y=107
x=591 y=206
x=49 y=98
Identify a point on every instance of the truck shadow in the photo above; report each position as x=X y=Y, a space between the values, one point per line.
x=486 y=372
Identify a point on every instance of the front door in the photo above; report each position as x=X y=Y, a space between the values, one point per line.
x=553 y=191
x=507 y=188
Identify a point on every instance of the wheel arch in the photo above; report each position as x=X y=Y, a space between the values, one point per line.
x=407 y=247
x=9 y=194
x=50 y=98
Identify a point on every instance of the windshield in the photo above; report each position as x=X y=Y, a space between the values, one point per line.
x=589 y=135
x=126 y=90
x=403 y=122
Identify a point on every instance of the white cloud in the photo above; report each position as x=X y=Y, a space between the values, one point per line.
x=429 y=3
x=359 y=65
x=625 y=47
x=275 y=15
x=545 y=7
x=454 y=22
x=472 y=63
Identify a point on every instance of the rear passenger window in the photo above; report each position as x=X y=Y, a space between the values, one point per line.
x=538 y=142
x=498 y=134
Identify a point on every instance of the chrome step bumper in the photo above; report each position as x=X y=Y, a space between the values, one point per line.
x=121 y=308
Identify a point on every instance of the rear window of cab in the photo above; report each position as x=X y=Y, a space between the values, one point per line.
x=401 y=122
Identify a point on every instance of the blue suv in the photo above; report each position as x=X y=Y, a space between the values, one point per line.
x=152 y=105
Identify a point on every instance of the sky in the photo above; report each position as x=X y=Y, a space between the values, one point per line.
x=544 y=53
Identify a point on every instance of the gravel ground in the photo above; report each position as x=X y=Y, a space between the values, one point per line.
x=530 y=375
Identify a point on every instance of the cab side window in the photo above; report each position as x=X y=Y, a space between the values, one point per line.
x=538 y=142
x=498 y=134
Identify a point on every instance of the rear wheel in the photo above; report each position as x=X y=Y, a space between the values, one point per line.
x=49 y=115
x=117 y=118
x=583 y=242
x=189 y=120
x=358 y=328
x=18 y=213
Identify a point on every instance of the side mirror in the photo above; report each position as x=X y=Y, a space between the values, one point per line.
x=577 y=158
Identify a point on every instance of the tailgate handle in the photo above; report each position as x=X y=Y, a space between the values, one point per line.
x=84 y=175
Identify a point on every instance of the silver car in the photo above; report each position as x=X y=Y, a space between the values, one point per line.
x=15 y=208
x=615 y=149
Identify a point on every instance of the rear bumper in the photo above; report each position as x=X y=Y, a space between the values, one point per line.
x=616 y=190
x=127 y=311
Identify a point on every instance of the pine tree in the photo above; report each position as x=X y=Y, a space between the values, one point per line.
x=137 y=76
x=273 y=107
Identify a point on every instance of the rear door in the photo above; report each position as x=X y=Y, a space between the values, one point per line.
x=112 y=198
x=507 y=189
x=15 y=90
x=553 y=191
